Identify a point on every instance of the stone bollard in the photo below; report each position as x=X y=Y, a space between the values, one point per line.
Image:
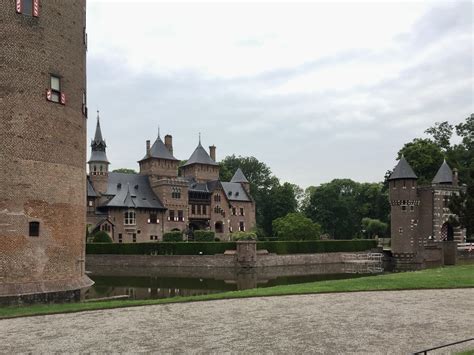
x=450 y=249
x=246 y=253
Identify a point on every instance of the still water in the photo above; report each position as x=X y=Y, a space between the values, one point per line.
x=152 y=283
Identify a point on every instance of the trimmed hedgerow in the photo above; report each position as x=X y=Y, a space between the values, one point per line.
x=212 y=248
x=317 y=246
x=243 y=236
x=204 y=236
x=101 y=237
x=174 y=236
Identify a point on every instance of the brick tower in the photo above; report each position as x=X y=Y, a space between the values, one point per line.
x=42 y=150
x=98 y=163
x=404 y=202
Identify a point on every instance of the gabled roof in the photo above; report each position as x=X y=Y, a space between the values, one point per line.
x=131 y=191
x=239 y=176
x=235 y=192
x=403 y=170
x=200 y=156
x=159 y=150
x=444 y=175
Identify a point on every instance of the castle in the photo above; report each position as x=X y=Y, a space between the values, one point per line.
x=420 y=215
x=43 y=149
x=164 y=196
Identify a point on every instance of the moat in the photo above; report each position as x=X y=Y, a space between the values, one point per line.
x=153 y=283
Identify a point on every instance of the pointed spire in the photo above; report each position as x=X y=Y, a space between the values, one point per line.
x=444 y=174
x=199 y=138
x=98 y=132
x=239 y=176
x=200 y=156
x=159 y=136
x=98 y=144
x=403 y=170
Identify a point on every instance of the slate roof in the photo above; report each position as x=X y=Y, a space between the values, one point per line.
x=90 y=189
x=403 y=170
x=444 y=175
x=98 y=145
x=200 y=156
x=239 y=176
x=159 y=150
x=131 y=190
x=235 y=192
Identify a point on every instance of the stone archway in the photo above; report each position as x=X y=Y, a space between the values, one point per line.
x=447 y=232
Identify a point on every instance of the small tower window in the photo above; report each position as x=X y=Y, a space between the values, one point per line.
x=34 y=229
x=55 y=88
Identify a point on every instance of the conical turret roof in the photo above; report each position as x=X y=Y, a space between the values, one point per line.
x=444 y=174
x=403 y=170
x=98 y=145
x=159 y=150
x=239 y=176
x=200 y=156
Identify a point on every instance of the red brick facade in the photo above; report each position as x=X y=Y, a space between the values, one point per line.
x=42 y=151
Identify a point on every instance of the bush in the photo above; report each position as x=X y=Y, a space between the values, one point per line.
x=211 y=248
x=243 y=236
x=101 y=237
x=203 y=236
x=295 y=226
x=174 y=236
x=166 y=248
x=317 y=246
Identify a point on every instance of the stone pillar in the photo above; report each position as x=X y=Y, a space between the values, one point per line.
x=450 y=249
x=246 y=253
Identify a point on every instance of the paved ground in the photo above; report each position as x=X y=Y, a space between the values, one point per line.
x=375 y=322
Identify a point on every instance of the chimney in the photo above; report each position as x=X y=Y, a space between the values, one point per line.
x=212 y=152
x=169 y=142
x=455 y=177
x=147 y=148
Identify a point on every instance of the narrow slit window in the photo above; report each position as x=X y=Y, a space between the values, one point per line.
x=34 y=229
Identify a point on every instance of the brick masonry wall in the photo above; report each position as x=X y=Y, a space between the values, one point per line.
x=43 y=149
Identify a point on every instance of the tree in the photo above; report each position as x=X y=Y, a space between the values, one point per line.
x=424 y=156
x=374 y=227
x=124 y=170
x=295 y=226
x=101 y=237
x=272 y=199
x=463 y=208
x=441 y=133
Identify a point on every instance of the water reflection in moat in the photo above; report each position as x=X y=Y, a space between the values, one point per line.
x=152 y=283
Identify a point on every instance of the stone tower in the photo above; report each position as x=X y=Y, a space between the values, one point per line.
x=200 y=165
x=240 y=178
x=404 y=202
x=43 y=149
x=98 y=163
x=159 y=161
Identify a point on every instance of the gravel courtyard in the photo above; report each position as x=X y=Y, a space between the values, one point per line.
x=375 y=322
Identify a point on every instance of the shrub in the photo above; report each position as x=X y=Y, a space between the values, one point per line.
x=243 y=236
x=101 y=237
x=204 y=236
x=317 y=246
x=174 y=236
x=295 y=226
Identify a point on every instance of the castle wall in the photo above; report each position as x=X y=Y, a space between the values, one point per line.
x=161 y=168
x=201 y=172
x=43 y=149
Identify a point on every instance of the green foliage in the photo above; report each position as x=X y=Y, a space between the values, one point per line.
x=295 y=226
x=165 y=248
x=173 y=236
x=203 y=236
x=124 y=170
x=101 y=237
x=317 y=246
x=441 y=133
x=243 y=236
x=374 y=227
x=463 y=208
x=273 y=200
x=425 y=157
x=340 y=205
x=211 y=248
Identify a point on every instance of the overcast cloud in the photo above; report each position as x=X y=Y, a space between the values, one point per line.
x=315 y=90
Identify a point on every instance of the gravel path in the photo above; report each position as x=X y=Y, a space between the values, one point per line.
x=375 y=322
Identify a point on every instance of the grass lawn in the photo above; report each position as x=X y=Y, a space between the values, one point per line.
x=445 y=277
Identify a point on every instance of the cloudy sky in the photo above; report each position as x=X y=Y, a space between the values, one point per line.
x=317 y=90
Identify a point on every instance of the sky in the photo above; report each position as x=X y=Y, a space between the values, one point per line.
x=315 y=90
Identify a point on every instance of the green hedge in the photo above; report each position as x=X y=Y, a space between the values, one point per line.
x=174 y=236
x=101 y=237
x=163 y=248
x=317 y=246
x=211 y=248
x=204 y=236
